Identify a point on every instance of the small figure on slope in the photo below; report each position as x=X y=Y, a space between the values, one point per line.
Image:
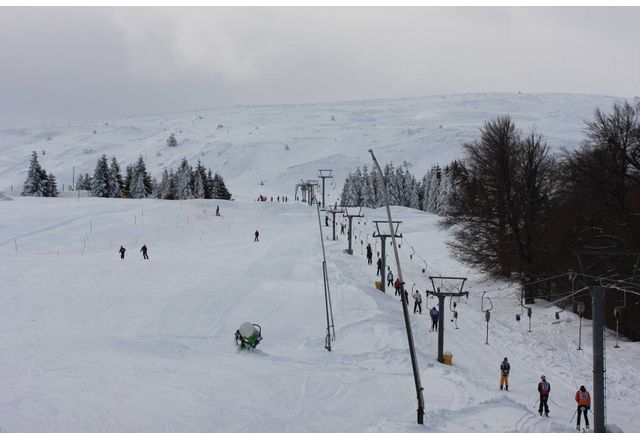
x=398 y=286
x=435 y=314
x=543 y=389
x=379 y=263
x=121 y=251
x=418 y=302
x=144 y=251
x=584 y=405
x=256 y=236
x=217 y=210
x=369 y=254
x=389 y=279
x=505 y=367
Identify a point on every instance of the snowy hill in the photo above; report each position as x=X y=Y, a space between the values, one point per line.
x=93 y=343
x=248 y=144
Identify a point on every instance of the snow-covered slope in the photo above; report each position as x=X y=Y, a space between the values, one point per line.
x=93 y=343
x=250 y=147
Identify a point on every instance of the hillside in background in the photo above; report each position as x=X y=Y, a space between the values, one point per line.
x=281 y=144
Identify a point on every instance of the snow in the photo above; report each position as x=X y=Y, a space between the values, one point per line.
x=93 y=343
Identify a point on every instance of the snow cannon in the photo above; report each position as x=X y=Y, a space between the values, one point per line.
x=248 y=335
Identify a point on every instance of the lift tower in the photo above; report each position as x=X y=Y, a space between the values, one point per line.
x=383 y=236
x=351 y=214
x=324 y=174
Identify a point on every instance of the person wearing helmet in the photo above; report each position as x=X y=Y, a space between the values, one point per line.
x=504 y=374
x=543 y=389
x=584 y=405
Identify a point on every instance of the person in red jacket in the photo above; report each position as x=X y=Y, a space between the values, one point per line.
x=398 y=286
x=543 y=389
x=584 y=405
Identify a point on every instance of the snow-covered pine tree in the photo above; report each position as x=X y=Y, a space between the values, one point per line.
x=128 y=176
x=140 y=169
x=34 y=186
x=100 y=182
x=199 y=180
x=416 y=195
x=220 y=189
x=137 y=188
x=171 y=141
x=183 y=174
x=368 y=194
x=208 y=185
x=116 y=183
x=51 y=186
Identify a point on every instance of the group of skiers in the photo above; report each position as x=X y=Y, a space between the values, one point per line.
x=284 y=198
x=401 y=291
x=582 y=397
x=143 y=250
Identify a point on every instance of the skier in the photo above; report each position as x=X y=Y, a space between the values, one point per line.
x=584 y=405
x=543 y=389
x=454 y=318
x=379 y=266
x=217 y=210
x=389 y=279
x=342 y=229
x=326 y=221
x=121 y=251
x=369 y=254
x=398 y=286
x=278 y=198
x=435 y=314
x=256 y=236
x=144 y=251
x=418 y=302
x=504 y=373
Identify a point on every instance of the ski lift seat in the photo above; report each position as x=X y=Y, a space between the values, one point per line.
x=248 y=335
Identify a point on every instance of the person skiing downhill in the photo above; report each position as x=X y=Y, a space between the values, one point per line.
x=369 y=254
x=543 y=389
x=256 y=236
x=144 y=252
x=121 y=251
x=505 y=367
x=217 y=210
x=435 y=314
x=584 y=405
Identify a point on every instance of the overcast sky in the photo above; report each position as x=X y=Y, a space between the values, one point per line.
x=60 y=65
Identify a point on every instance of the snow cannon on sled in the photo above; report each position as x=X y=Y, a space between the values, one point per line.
x=248 y=335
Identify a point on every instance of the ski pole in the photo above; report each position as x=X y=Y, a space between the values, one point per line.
x=574 y=414
x=536 y=403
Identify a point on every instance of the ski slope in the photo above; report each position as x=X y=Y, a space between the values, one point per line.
x=93 y=343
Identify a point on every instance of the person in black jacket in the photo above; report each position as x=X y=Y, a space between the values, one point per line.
x=369 y=254
x=144 y=252
x=543 y=389
x=121 y=251
x=504 y=373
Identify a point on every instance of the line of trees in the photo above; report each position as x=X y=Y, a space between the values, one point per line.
x=364 y=188
x=519 y=212
x=39 y=183
x=184 y=184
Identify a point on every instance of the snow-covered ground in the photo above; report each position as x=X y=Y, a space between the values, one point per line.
x=93 y=343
